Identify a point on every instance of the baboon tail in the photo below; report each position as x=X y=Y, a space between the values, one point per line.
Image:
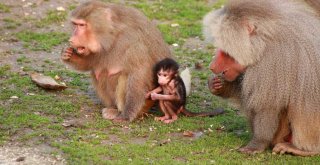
x=186 y=78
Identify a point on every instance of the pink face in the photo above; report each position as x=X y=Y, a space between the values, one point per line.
x=164 y=77
x=83 y=38
x=224 y=63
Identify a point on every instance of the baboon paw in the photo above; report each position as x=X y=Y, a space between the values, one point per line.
x=120 y=120
x=163 y=118
x=169 y=121
x=109 y=113
x=280 y=148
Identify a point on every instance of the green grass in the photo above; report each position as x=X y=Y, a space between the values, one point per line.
x=36 y=116
x=186 y=13
x=4 y=69
x=4 y=8
x=11 y=24
x=52 y=17
x=41 y=41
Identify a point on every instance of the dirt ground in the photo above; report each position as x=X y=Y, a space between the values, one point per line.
x=37 y=155
x=36 y=9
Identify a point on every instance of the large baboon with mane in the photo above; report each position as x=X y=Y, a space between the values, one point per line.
x=276 y=44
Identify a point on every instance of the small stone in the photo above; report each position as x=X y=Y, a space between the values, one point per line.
x=20 y=159
x=60 y=8
x=175 y=25
x=175 y=45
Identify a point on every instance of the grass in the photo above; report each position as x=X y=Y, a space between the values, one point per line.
x=186 y=13
x=11 y=24
x=36 y=116
x=41 y=41
x=52 y=17
x=4 y=8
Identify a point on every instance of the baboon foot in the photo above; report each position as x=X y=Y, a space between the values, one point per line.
x=168 y=121
x=110 y=113
x=163 y=118
x=282 y=148
x=121 y=119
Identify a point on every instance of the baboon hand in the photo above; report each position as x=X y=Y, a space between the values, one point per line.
x=67 y=54
x=154 y=96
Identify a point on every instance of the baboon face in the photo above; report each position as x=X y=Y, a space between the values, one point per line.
x=226 y=65
x=83 y=39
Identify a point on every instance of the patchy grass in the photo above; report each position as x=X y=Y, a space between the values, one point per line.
x=37 y=116
x=53 y=17
x=4 y=69
x=26 y=106
x=41 y=41
x=11 y=24
x=4 y=8
x=186 y=13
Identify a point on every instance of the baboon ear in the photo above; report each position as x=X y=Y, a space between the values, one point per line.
x=109 y=14
x=251 y=28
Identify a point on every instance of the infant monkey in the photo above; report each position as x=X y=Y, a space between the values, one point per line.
x=171 y=92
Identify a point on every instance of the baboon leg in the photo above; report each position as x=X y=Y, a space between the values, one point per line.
x=264 y=125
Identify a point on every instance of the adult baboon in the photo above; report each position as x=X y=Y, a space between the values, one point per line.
x=119 y=46
x=277 y=44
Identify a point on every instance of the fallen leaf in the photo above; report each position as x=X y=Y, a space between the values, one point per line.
x=56 y=77
x=175 y=25
x=198 y=66
x=72 y=123
x=46 y=82
x=165 y=142
x=175 y=45
x=61 y=8
x=188 y=134
x=31 y=94
x=20 y=159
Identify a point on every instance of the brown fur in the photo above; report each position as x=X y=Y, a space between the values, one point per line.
x=130 y=45
x=171 y=93
x=315 y=4
x=230 y=90
x=281 y=85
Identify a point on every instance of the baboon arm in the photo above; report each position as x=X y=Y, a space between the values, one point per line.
x=228 y=89
x=168 y=97
x=157 y=90
x=78 y=63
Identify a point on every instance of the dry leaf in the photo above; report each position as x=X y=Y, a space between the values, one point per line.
x=188 y=134
x=46 y=82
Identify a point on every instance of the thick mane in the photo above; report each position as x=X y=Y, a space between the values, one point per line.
x=294 y=49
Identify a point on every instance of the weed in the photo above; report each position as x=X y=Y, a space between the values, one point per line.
x=4 y=69
x=4 y=8
x=10 y=23
x=53 y=17
x=41 y=41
